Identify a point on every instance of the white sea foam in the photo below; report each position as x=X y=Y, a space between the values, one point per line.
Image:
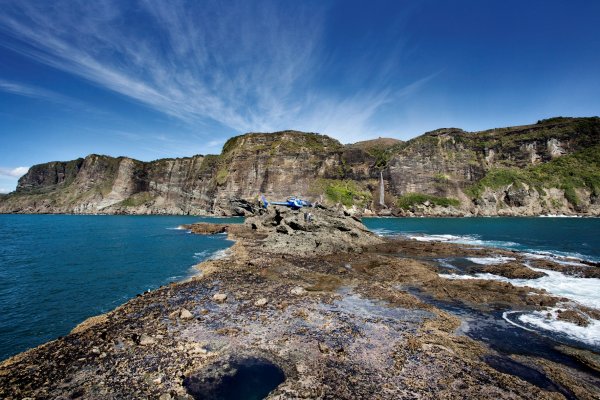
x=212 y=254
x=434 y=238
x=562 y=257
x=446 y=264
x=560 y=216
x=220 y=254
x=585 y=291
x=201 y=255
x=385 y=232
x=559 y=257
x=461 y=239
x=490 y=260
x=177 y=228
x=548 y=320
x=476 y=276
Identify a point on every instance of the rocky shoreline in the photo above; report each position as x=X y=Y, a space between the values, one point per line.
x=435 y=212
x=324 y=309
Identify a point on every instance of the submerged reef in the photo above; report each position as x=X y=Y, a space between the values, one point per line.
x=323 y=309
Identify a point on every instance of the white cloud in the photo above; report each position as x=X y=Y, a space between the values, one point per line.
x=4 y=190
x=14 y=172
x=21 y=89
x=247 y=65
x=31 y=91
x=215 y=143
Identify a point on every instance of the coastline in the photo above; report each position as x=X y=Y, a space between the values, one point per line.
x=371 y=214
x=304 y=292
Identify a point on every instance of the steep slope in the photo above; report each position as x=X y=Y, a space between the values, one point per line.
x=102 y=184
x=548 y=167
x=481 y=169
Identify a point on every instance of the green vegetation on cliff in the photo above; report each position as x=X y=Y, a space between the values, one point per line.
x=346 y=192
x=137 y=199
x=579 y=170
x=409 y=200
x=381 y=149
x=289 y=141
x=581 y=131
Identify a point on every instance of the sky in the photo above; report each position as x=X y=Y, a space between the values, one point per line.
x=152 y=79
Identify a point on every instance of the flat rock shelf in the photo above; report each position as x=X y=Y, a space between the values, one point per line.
x=321 y=309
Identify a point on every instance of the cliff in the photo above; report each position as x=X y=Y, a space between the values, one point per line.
x=551 y=167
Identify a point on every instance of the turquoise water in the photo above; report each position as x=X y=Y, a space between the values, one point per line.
x=57 y=270
x=570 y=237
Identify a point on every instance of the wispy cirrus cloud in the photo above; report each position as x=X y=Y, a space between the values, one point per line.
x=33 y=92
x=250 y=66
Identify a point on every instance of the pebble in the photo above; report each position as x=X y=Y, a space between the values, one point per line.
x=220 y=297
x=146 y=340
x=323 y=348
x=261 y=302
x=185 y=314
x=298 y=291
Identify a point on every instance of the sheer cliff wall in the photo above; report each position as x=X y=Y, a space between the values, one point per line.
x=549 y=167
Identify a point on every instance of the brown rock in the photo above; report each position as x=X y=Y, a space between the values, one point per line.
x=513 y=270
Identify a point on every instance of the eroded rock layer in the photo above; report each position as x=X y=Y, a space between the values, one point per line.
x=551 y=167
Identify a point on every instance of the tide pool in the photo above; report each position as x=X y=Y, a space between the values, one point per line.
x=58 y=270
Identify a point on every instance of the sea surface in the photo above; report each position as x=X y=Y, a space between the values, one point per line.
x=569 y=237
x=58 y=270
x=567 y=241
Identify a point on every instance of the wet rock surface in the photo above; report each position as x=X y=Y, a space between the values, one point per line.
x=355 y=317
x=512 y=270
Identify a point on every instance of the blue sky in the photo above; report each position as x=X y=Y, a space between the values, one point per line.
x=152 y=79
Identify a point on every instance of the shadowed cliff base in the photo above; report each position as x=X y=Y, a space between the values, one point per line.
x=551 y=167
x=356 y=316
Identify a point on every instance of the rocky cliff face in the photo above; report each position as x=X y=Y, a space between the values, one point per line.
x=549 y=167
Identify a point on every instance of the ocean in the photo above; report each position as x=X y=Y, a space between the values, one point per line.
x=569 y=237
x=58 y=270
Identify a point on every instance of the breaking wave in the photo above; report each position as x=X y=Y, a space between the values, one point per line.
x=548 y=321
x=585 y=291
x=473 y=240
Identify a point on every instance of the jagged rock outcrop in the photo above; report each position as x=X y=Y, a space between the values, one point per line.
x=552 y=167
